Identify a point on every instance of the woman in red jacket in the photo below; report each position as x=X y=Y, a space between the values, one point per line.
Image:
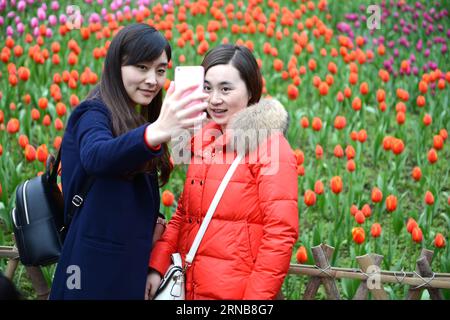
x=246 y=250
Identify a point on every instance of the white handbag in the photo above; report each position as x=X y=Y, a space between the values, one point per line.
x=172 y=285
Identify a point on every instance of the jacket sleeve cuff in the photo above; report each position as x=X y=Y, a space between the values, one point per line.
x=154 y=148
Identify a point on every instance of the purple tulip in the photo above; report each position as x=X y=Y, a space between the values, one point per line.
x=100 y=2
x=412 y=58
x=103 y=12
x=88 y=1
x=48 y=33
x=11 y=14
x=36 y=32
x=34 y=22
x=357 y=23
x=426 y=53
x=9 y=31
x=415 y=70
x=41 y=14
x=62 y=19
x=425 y=68
x=391 y=44
x=21 y=5
x=444 y=49
x=94 y=18
x=17 y=20
x=55 y=5
x=52 y=20
x=2 y=21
x=20 y=28
x=396 y=53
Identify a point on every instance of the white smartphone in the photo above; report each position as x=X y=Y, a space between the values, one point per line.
x=189 y=75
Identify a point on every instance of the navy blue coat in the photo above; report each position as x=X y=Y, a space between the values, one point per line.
x=109 y=239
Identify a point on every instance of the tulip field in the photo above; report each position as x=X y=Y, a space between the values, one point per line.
x=367 y=92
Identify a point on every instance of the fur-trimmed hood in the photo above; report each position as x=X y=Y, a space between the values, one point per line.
x=252 y=125
x=246 y=130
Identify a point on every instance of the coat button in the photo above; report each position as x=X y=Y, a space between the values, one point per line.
x=201 y=182
x=192 y=181
x=190 y=220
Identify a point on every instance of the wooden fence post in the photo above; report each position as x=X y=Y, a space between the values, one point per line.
x=424 y=270
x=366 y=261
x=322 y=253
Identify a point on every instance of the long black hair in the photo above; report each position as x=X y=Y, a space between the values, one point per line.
x=133 y=44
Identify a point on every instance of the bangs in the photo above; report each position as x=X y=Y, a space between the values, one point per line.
x=147 y=46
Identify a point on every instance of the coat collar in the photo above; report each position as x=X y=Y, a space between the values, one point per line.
x=246 y=129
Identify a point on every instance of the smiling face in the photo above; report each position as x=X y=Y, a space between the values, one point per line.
x=143 y=80
x=227 y=93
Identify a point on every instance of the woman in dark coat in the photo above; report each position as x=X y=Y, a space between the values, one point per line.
x=119 y=136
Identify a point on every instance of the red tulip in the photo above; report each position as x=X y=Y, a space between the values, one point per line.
x=358 y=235
x=439 y=241
x=429 y=198
x=318 y=187
x=13 y=125
x=391 y=203
x=432 y=156
x=417 y=235
x=375 y=230
x=338 y=151
x=336 y=184
x=359 y=217
x=316 y=124
x=377 y=195
x=309 y=198
x=416 y=173
x=302 y=255
x=167 y=198
x=366 y=210
x=411 y=224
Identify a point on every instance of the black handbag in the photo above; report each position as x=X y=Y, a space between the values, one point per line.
x=38 y=217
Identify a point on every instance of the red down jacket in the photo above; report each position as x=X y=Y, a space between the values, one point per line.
x=246 y=250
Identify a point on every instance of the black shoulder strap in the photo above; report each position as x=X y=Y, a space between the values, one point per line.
x=77 y=199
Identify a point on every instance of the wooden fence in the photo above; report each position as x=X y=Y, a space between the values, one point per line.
x=322 y=273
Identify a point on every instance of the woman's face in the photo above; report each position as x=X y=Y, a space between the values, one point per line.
x=227 y=93
x=144 y=80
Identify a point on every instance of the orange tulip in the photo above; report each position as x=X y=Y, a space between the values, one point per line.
x=353 y=209
x=420 y=101
x=316 y=124
x=411 y=224
x=397 y=146
x=336 y=184
x=362 y=136
x=340 y=122
x=438 y=142
x=350 y=152
x=46 y=121
x=167 y=198
x=439 y=241
x=417 y=235
x=300 y=157
x=323 y=89
x=309 y=198
x=57 y=142
x=304 y=122
x=356 y=104
x=364 y=88
x=319 y=151
x=366 y=210
x=358 y=235
x=13 y=125
x=443 y=133
x=432 y=156
x=301 y=255
x=427 y=119
x=377 y=195
x=338 y=151
x=35 y=114
x=30 y=153
x=375 y=230
x=318 y=187
x=391 y=203
x=351 y=165
x=292 y=92
x=42 y=153
x=23 y=141
x=278 y=65
x=381 y=95
x=359 y=217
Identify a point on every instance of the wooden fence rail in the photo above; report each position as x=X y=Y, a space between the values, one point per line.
x=322 y=273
